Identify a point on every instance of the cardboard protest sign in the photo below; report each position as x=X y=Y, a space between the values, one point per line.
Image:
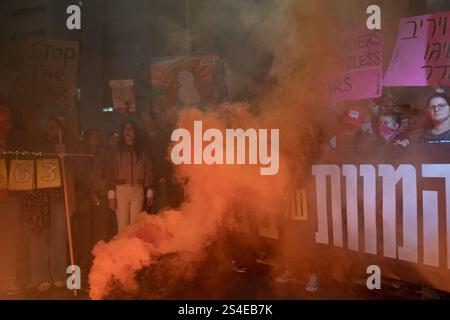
x=122 y=95
x=358 y=73
x=49 y=70
x=422 y=52
x=196 y=79
x=21 y=175
x=48 y=173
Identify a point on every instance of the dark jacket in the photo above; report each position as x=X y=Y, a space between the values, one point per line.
x=430 y=137
x=156 y=146
x=91 y=176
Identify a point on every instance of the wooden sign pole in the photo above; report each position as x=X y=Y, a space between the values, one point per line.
x=67 y=208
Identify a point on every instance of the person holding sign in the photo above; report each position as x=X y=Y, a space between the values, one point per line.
x=45 y=220
x=130 y=173
x=9 y=215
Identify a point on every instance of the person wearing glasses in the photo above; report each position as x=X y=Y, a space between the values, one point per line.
x=439 y=112
x=438 y=115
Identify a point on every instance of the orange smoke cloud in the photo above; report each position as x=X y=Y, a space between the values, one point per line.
x=214 y=192
x=211 y=191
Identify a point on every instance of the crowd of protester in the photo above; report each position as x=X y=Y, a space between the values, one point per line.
x=127 y=172
x=118 y=175
x=367 y=130
x=383 y=121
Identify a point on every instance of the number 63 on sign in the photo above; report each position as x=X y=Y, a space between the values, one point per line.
x=22 y=174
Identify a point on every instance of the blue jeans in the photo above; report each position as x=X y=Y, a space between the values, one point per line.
x=48 y=249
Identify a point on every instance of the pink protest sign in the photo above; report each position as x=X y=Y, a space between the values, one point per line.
x=359 y=63
x=422 y=53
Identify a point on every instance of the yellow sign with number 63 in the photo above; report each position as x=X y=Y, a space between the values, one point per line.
x=48 y=173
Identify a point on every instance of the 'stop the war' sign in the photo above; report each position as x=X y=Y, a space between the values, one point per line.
x=422 y=53
x=49 y=71
x=359 y=66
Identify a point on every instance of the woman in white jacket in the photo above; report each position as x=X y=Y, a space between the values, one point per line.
x=129 y=176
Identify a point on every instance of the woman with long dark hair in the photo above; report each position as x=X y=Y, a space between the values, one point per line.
x=129 y=176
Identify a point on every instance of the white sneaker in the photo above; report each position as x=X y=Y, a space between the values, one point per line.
x=44 y=286
x=286 y=276
x=237 y=268
x=313 y=283
x=12 y=290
